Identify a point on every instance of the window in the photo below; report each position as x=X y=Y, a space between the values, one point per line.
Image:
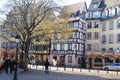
x=95 y=35
x=1 y=27
x=69 y=46
x=103 y=26
x=81 y=47
x=111 y=25
x=89 y=47
x=118 y=24
x=104 y=14
x=96 y=14
x=95 y=5
x=69 y=59
x=88 y=15
x=103 y=50
x=107 y=12
x=89 y=35
x=61 y=46
x=89 y=25
x=95 y=47
x=118 y=38
x=110 y=12
x=81 y=36
x=54 y=46
x=76 y=24
x=96 y=24
x=111 y=38
x=113 y=11
x=103 y=39
x=77 y=13
x=111 y=50
x=75 y=35
x=11 y=34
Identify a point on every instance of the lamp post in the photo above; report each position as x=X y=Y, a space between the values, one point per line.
x=64 y=60
x=17 y=40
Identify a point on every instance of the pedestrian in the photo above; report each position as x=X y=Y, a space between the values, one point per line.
x=12 y=64
x=6 y=65
x=33 y=63
x=37 y=63
x=46 y=66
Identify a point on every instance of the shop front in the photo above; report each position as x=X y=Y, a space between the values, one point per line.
x=99 y=59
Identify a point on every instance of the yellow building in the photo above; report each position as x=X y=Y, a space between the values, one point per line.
x=103 y=31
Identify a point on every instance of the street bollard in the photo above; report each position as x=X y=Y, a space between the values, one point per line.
x=117 y=71
x=43 y=67
x=80 y=69
x=57 y=67
x=107 y=71
x=50 y=67
x=72 y=68
x=64 y=68
x=98 y=70
x=89 y=69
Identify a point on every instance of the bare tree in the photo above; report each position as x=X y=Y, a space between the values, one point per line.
x=25 y=16
x=33 y=18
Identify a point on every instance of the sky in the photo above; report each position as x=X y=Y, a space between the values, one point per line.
x=65 y=2
x=77 y=1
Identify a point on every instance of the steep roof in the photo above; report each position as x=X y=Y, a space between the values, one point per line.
x=75 y=7
x=110 y=3
x=100 y=3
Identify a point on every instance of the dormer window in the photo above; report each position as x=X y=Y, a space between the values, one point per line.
x=95 y=5
x=77 y=13
x=104 y=14
x=96 y=14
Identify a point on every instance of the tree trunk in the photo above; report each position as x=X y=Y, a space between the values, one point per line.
x=26 y=56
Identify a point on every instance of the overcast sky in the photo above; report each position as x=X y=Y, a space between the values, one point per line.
x=77 y=1
x=65 y=2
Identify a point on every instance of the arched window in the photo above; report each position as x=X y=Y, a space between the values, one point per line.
x=108 y=60
x=98 y=60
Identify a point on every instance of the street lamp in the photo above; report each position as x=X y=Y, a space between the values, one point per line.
x=17 y=40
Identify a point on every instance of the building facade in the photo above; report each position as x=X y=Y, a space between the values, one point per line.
x=1 y=39
x=103 y=28
x=71 y=52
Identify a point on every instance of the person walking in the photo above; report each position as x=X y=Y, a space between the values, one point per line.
x=12 y=65
x=33 y=63
x=46 y=66
x=6 y=65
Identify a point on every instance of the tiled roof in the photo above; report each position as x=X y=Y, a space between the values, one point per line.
x=110 y=3
x=74 y=7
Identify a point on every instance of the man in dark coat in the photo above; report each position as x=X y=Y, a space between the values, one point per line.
x=6 y=65
x=12 y=64
x=46 y=66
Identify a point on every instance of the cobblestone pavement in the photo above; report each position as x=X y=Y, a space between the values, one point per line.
x=33 y=74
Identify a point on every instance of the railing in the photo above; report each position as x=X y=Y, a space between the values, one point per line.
x=77 y=70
